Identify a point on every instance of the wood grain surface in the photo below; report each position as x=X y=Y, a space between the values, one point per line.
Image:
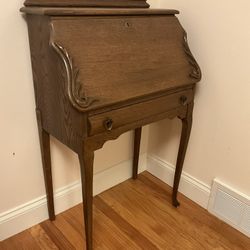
x=134 y=215
x=70 y=11
x=143 y=110
x=125 y=57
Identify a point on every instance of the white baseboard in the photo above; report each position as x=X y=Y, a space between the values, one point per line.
x=33 y=212
x=221 y=200
x=194 y=189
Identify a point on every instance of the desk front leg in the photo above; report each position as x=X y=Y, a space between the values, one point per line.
x=86 y=158
x=44 y=138
x=137 y=142
x=186 y=129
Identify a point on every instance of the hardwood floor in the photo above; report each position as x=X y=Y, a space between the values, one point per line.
x=134 y=215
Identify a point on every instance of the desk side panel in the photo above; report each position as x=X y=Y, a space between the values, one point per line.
x=59 y=118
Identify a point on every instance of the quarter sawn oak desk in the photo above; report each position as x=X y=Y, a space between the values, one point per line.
x=102 y=68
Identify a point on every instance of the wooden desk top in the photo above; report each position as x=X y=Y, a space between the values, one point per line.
x=83 y=11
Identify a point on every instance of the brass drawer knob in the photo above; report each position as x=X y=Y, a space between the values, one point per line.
x=183 y=100
x=108 y=124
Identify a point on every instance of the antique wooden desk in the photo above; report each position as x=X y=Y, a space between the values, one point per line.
x=102 y=68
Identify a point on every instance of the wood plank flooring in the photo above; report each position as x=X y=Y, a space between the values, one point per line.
x=134 y=215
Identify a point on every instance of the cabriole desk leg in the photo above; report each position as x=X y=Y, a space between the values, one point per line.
x=186 y=129
x=86 y=158
x=137 y=142
x=46 y=161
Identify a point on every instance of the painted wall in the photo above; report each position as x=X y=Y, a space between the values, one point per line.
x=21 y=177
x=219 y=37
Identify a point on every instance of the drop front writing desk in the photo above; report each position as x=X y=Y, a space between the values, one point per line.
x=102 y=68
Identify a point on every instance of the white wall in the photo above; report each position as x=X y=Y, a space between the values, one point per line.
x=21 y=177
x=219 y=37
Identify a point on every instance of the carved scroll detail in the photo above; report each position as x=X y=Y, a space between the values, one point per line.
x=74 y=88
x=196 y=71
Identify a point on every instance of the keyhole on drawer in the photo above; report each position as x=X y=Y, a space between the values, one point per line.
x=183 y=100
x=108 y=124
x=127 y=24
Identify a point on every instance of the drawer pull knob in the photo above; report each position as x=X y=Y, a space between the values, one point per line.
x=108 y=124
x=183 y=100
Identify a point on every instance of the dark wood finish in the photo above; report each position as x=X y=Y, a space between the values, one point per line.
x=185 y=134
x=126 y=115
x=95 y=11
x=137 y=142
x=90 y=87
x=46 y=162
x=157 y=225
x=86 y=158
x=89 y=3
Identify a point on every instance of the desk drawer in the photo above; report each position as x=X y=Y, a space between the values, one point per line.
x=116 y=118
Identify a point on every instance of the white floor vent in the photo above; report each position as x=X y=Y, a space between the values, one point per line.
x=230 y=206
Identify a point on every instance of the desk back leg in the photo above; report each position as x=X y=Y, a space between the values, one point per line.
x=186 y=129
x=137 y=142
x=86 y=158
x=46 y=161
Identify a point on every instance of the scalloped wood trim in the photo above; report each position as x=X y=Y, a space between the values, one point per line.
x=75 y=91
x=196 y=71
